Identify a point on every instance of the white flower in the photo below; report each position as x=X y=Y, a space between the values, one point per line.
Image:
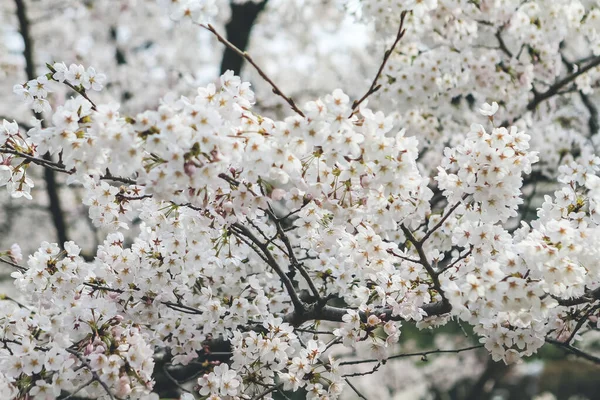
x=15 y=253
x=39 y=87
x=489 y=110
x=95 y=81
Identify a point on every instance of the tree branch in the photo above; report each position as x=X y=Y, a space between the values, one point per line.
x=298 y=304
x=417 y=354
x=94 y=374
x=248 y=58
x=441 y=222
x=386 y=56
x=292 y=256
x=51 y=186
x=419 y=247
x=359 y=394
x=574 y=350
x=12 y=264
x=554 y=89
x=238 y=31
x=590 y=296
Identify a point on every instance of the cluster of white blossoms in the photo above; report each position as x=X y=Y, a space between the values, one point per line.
x=207 y=179
x=276 y=353
x=228 y=229
x=489 y=167
x=35 y=91
x=14 y=177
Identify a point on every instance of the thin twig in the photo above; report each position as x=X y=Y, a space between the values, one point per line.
x=365 y=373
x=298 y=304
x=266 y=392
x=79 y=389
x=12 y=264
x=386 y=56
x=292 y=256
x=359 y=394
x=574 y=350
x=593 y=123
x=94 y=373
x=39 y=161
x=390 y=251
x=419 y=247
x=501 y=42
x=580 y=323
x=59 y=167
x=552 y=90
x=248 y=58
x=468 y=253
x=422 y=353
x=441 y=221
x=172 y=379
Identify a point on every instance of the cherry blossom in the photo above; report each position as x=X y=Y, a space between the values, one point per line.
x=276 y=239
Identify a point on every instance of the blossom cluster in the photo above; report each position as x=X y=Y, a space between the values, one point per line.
x=225 y=227
x=35 y=91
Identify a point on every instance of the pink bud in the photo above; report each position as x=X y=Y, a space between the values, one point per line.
x=189 y=168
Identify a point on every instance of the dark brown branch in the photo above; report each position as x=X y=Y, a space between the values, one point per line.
x=266 y=392
x=554 y=89
x=417 y=354
x=501 y=42
x=390 y=251
x=386 y=56
x=12 y=264
x=109 y=177
x=359 y=394
x=419 y=247
x=28 y=43
x=590 y=296
x=51 y=186
x=174 y=306
x=468 y=253
x=316 y=312
x=582 y=320
x=79 y=90
x=94 y=374
x=292 y=256
x=574 y=350
x=79 y=389
x=248 y=58
x=298 y=304
x=365 y=373
x=593 y=124
x=39 y=161
x=60 y=167
x=441 y=222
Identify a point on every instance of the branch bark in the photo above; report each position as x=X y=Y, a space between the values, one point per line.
x=238 y=31
x=248 y=58
x=554 y=89
x=386 y=56
x=54 y=207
